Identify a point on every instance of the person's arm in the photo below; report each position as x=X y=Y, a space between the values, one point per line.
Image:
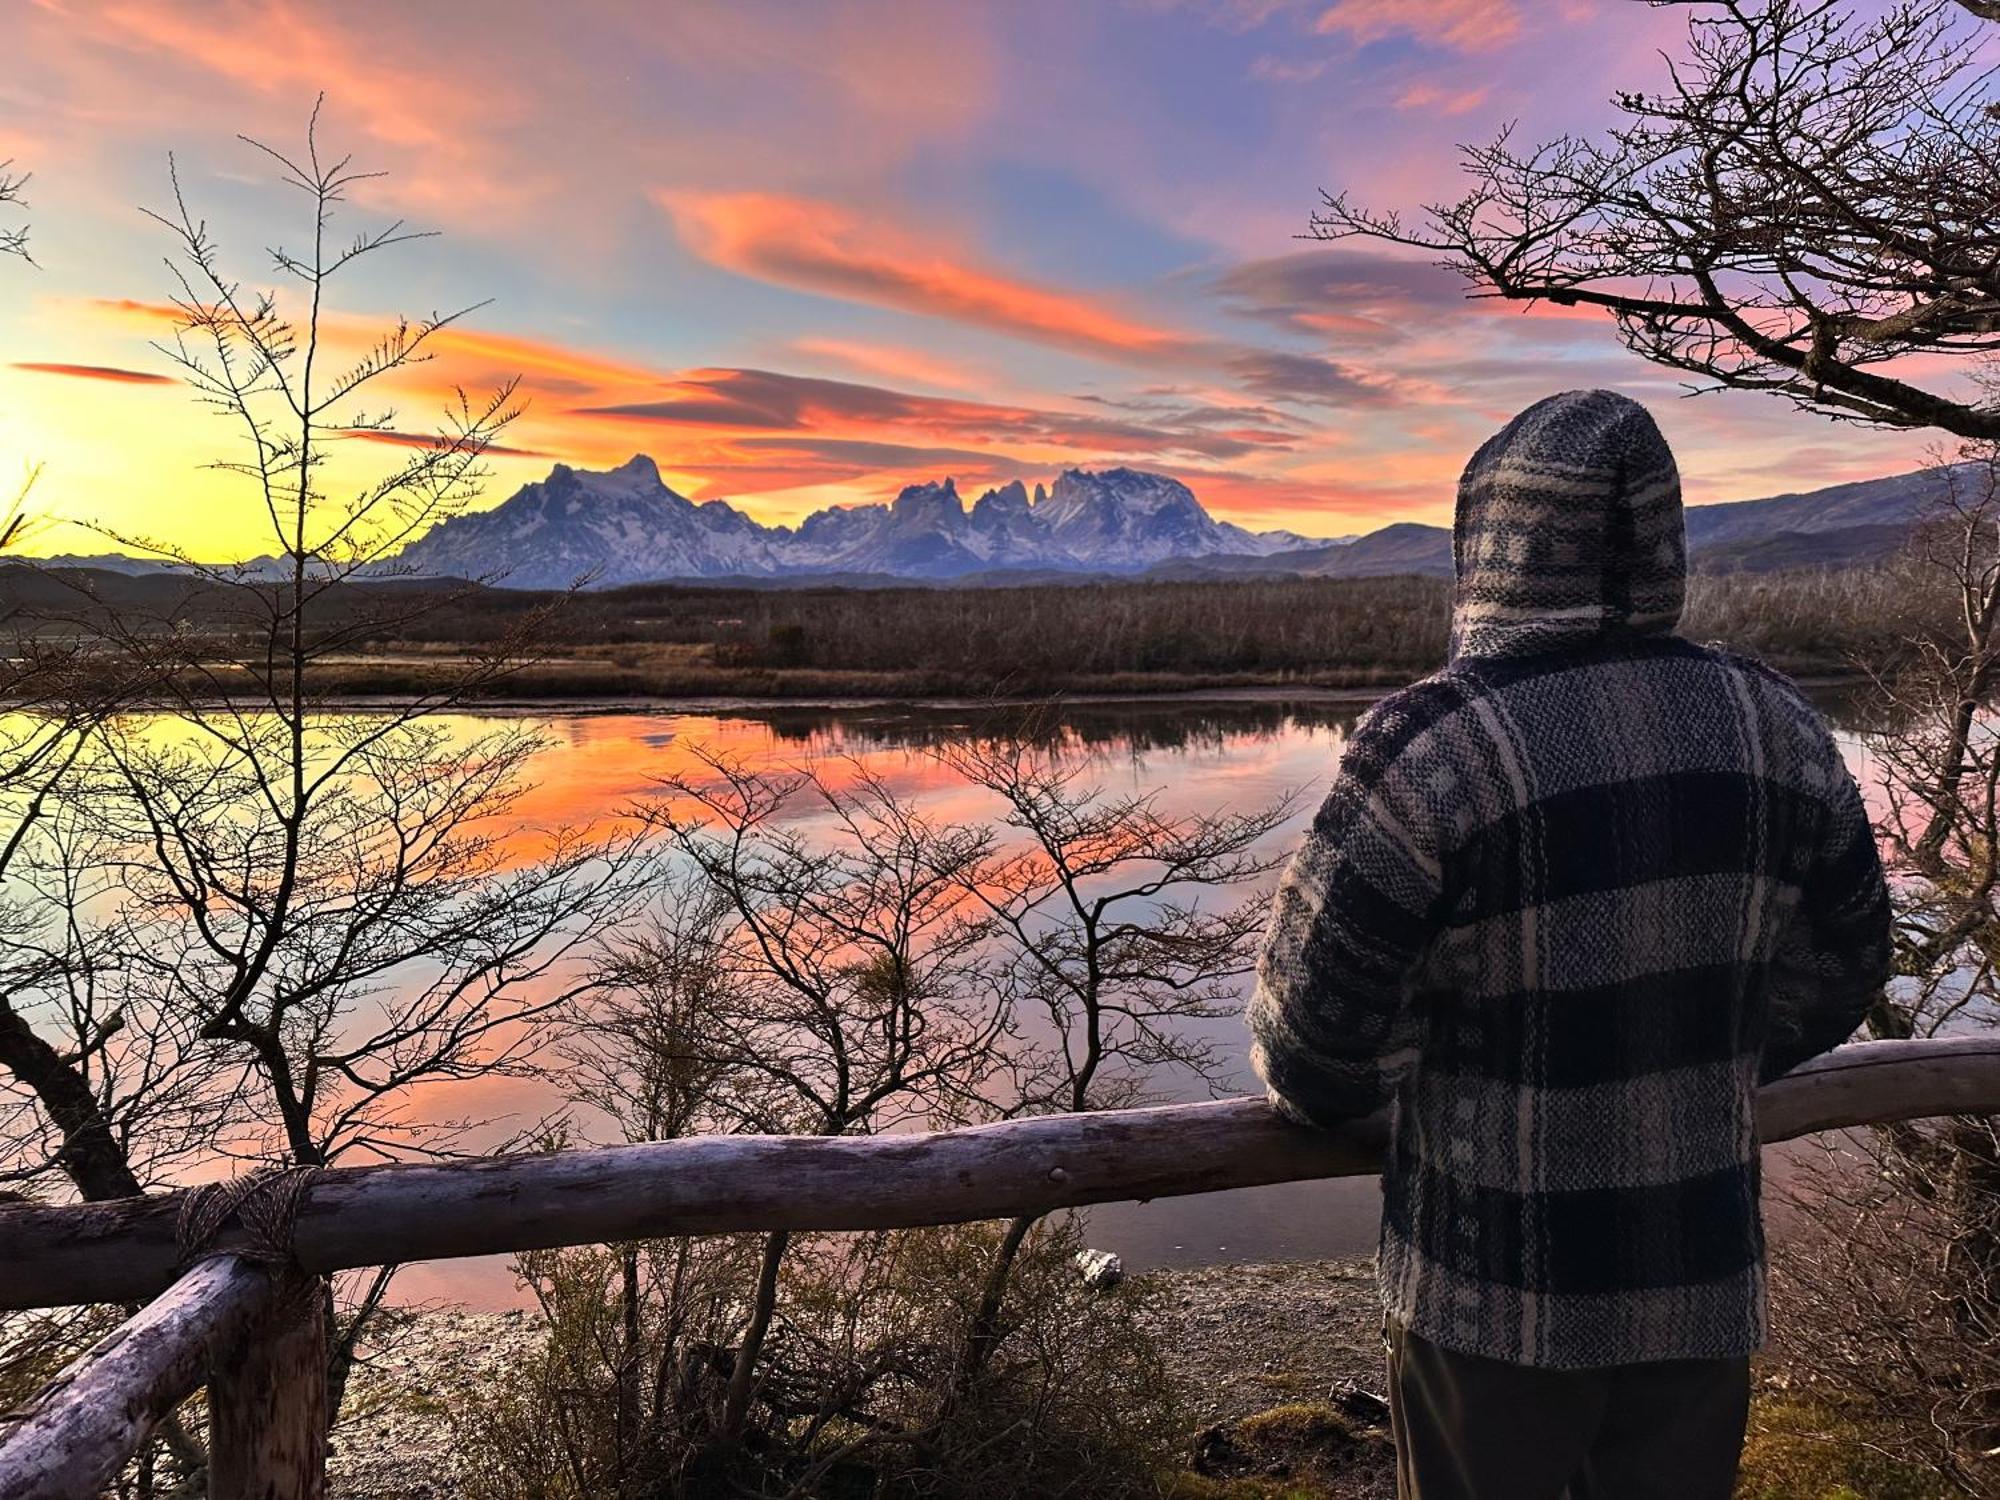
x=1834 y=957
x=1353 y=915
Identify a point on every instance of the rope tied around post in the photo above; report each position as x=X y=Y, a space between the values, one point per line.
x=267 y=1379
x=264 y=1204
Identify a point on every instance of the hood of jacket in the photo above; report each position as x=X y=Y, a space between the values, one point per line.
x=1568 y=530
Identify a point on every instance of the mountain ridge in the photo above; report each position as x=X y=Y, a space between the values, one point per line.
x=626 y=525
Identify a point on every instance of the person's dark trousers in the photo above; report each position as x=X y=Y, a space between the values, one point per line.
x=1480 y=1429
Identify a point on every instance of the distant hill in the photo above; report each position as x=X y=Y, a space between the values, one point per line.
x=1403 y=547
x=1837 y=526
x=1891 y=502
x=1801 y=549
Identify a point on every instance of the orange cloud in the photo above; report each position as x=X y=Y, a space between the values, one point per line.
x=818 y=247
x=1462 y=25
x=504 y=352
x=94 y=372
x=889 y=362
x=148 y=315
x=436 y=444
x=463 y=357
x=769 y=402
x=534 y=357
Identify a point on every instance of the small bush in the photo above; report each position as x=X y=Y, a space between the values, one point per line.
x=1075 y=1402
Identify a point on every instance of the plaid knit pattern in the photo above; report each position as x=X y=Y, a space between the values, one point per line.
x=1567 y=903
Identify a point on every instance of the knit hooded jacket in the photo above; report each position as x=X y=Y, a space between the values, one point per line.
x=1568 y=902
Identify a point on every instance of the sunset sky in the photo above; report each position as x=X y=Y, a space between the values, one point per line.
x=805 y=253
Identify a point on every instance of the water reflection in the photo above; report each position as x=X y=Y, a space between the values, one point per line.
x=1197 y=756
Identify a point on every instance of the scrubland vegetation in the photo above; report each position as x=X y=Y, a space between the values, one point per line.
x=667 y=641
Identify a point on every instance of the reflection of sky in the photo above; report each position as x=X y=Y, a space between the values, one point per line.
x=1199 y=763
x=1198 y=758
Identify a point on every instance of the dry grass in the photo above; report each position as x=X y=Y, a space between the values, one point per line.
x=1802 y=1449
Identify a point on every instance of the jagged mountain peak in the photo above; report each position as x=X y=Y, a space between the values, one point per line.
x=1009 y=499
x=1133 y=514
x=626 y=524
x=639 y=466
x=637 y=473
x=939 y=496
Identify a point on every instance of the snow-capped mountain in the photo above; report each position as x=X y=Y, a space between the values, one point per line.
x=624 y=525
x=1127 y=518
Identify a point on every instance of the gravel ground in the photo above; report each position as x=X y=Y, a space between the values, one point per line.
x=1240 y=1339
x=1244 y=1338
x=395 y=1431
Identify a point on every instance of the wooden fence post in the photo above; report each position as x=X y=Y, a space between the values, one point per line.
x=70 y=1440
x=267 y=1402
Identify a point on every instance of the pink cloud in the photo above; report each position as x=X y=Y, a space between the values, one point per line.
x=1443 y=101
x=889 y=362
x=1462 y=25
x=819 y=247
x=443 y=127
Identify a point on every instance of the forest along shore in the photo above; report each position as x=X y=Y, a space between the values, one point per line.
x=1238 y=1339
x=654 y=642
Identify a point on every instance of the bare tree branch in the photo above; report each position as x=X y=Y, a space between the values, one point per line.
x=13 y=185
x=1805 y=208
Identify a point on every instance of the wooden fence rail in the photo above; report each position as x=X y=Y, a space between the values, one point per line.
x=77 y=1433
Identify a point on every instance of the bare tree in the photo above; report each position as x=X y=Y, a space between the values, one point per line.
x=1937 y=765
x=1805 y=205
x=1123 y=934
x=646 y=1057
x=826 y=958
x=336 y=895
x=850 y=998
x=336 y=910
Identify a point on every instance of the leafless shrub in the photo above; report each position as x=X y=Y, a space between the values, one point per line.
x=1891 y=1294
x=867 y=1327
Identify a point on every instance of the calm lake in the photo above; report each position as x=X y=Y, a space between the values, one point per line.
x=1197 y=755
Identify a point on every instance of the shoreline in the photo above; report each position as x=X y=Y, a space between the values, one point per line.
x=700 y=703
x=1250 y=692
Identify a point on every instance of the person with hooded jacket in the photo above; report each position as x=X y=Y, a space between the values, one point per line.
x=1569 y=901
